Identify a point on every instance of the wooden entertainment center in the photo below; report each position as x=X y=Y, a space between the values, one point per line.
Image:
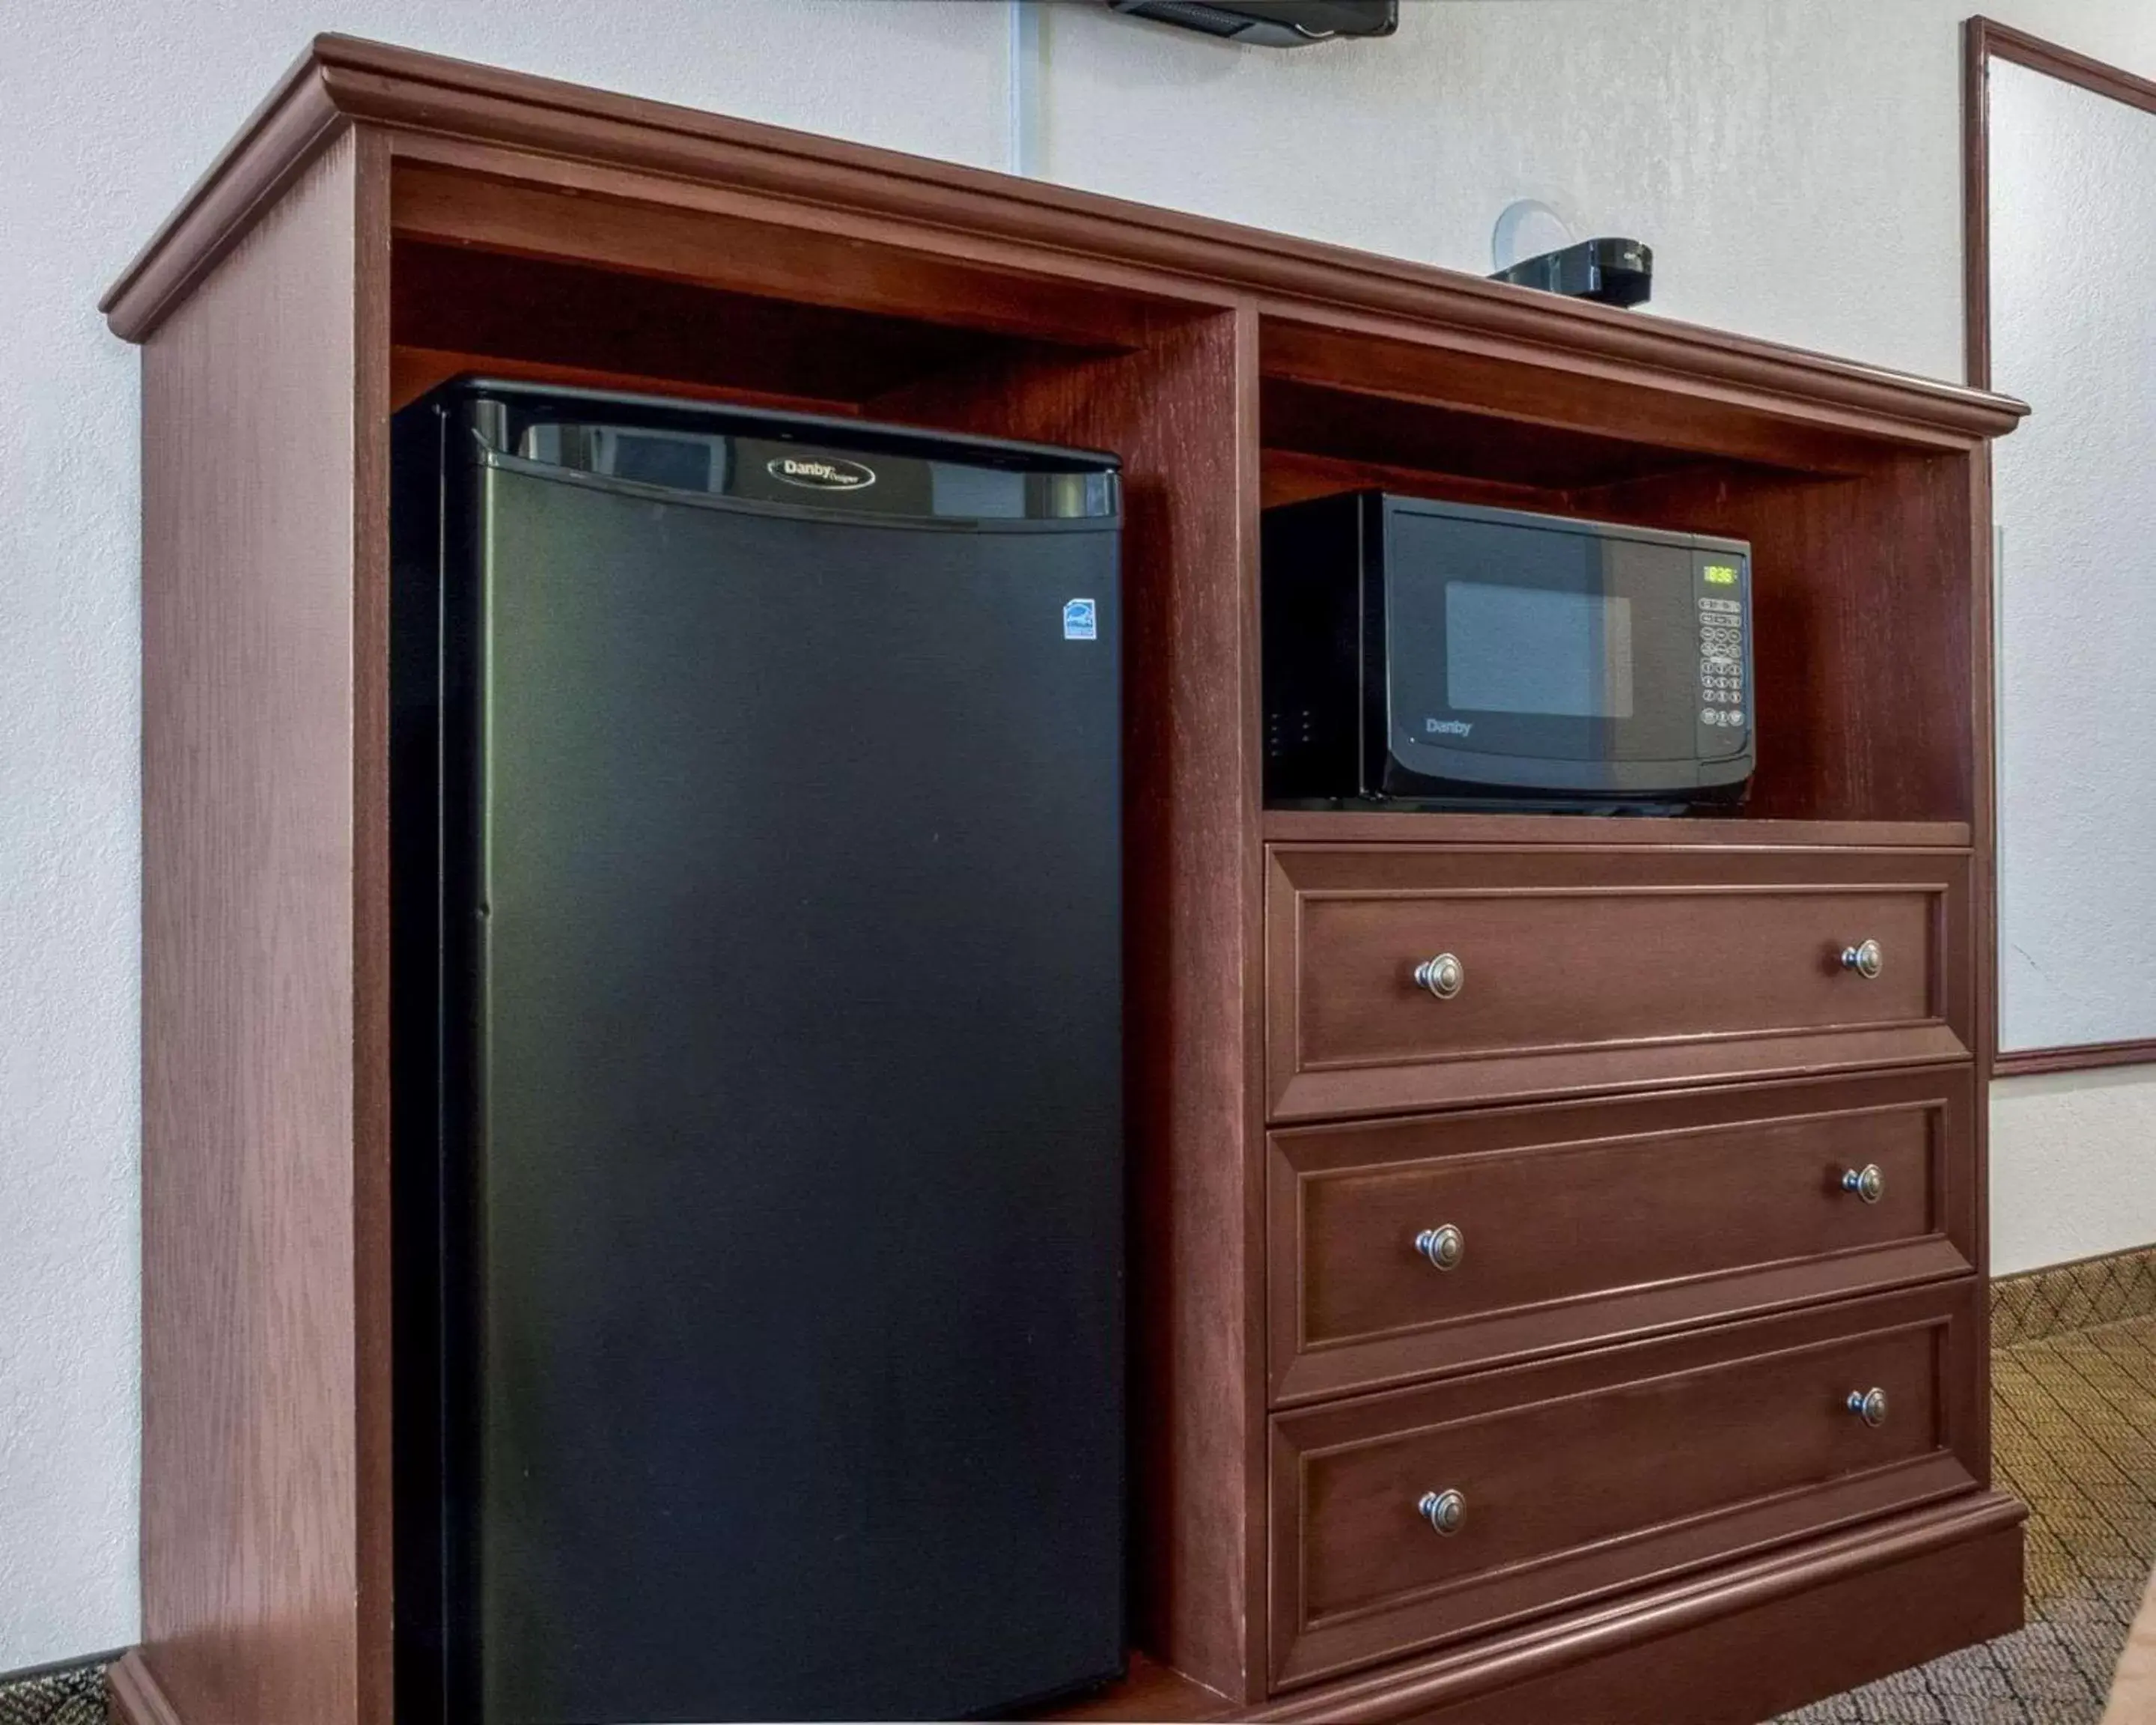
x=1504 y=1357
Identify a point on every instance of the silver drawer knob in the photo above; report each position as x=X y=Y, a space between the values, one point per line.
x=1444 y=976
x=1867 y=960
x=1444 y=1510
x=1867 y=1182
x=1443 y=1247
x=1869 y=1405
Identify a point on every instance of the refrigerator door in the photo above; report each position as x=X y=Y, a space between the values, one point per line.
x=794 y=1004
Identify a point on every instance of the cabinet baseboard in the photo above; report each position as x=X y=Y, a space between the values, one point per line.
x=136 y=1697
x=1739 y=1647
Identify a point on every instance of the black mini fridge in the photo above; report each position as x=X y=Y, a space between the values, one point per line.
x=756 y=995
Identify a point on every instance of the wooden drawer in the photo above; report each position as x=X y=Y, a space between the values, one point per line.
x=1594 y=969
x=1607 y=1470
x=1581 y=1222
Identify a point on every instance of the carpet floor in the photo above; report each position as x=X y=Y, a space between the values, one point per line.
x=74 y=1697
x=2074 y=1436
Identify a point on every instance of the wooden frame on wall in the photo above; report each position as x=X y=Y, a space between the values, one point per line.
x=1984 y=41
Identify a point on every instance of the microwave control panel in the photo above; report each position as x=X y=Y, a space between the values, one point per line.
x=1724 y=715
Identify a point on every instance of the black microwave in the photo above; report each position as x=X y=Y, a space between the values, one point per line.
x=1440 y=656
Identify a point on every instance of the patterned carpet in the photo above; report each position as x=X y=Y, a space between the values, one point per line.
x=73 y=1697
x=2074 y=1437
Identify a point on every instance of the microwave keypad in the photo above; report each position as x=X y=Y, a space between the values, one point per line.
x=1722 y=664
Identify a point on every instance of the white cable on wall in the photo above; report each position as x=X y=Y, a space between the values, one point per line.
x=1028 y=73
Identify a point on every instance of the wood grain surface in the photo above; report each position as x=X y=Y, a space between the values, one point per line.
x=1864 y=635
x=132 y=1694
x=1596 y=1221
x=1600 y=970
x=1343 y=826
x=1765 y=1636
x=1591 y=1474
x=1746 y=1643
x=427 y=94
x=495 y=306
x=263 y=1529
x=2083 y=1057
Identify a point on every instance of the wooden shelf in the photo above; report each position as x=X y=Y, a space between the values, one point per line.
x=1357 y=427
x=1293 y=826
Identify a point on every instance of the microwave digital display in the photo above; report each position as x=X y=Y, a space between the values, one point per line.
x=1419 y=653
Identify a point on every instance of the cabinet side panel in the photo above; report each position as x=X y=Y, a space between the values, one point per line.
x=369 y=514
x=250 y=864
x=1984 y=903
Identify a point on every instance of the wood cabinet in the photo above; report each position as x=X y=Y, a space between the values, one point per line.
x=1637 y=1112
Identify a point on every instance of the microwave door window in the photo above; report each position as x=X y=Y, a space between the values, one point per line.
x=1504 y=641
x=1540 y=650
x=1539 y=644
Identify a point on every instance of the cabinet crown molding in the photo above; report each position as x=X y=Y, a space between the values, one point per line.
x=341 y=80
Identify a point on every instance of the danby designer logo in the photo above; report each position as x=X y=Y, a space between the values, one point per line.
x=821 y=473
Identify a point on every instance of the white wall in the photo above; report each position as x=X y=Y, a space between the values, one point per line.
x=2072 y=1171
x=1794 y=163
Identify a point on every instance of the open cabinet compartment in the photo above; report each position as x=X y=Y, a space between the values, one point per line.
x=1863 y=562
x=520 y=282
